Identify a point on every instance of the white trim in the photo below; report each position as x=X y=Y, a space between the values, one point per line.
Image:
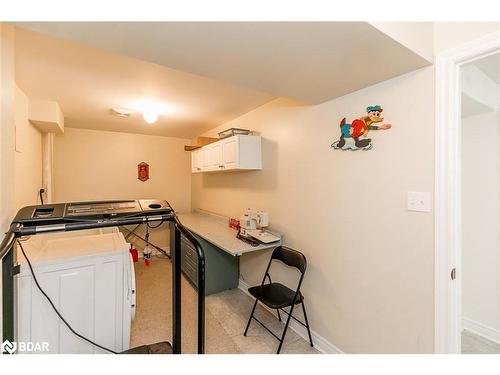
x=319 y=342
x=447 y=188
x=481 y=329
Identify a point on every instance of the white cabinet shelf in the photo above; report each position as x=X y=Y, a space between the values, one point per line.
x=239 y=152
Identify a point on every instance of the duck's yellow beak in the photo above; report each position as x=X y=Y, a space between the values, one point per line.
x=376 y=119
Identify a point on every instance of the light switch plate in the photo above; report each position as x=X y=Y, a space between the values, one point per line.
x=419 y=201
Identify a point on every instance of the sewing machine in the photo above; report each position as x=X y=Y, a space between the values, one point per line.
x=252 y=225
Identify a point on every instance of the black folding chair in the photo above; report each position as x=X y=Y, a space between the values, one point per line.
x=278 y=296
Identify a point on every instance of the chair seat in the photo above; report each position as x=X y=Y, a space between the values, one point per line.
x=275 y=295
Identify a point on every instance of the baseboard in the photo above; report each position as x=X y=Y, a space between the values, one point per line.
x=320 y=343
x=482 y=330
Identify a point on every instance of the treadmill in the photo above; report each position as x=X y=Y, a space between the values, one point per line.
x=74 y=216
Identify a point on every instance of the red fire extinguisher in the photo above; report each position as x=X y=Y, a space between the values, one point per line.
x=135 y=254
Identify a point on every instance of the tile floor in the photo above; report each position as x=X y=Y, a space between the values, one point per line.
x=226 y=318
x=475 y=344
x=232 y=308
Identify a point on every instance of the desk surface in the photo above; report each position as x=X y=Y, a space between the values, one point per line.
x=215 y=230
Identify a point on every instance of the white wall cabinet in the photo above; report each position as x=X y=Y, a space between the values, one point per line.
x=239 y=152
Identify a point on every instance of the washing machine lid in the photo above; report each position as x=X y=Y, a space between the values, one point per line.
x=62 y=246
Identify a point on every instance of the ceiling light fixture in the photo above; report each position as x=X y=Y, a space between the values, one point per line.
x=151 y=109
x=150 y=117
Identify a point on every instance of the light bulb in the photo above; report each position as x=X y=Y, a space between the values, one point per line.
x=150 y=117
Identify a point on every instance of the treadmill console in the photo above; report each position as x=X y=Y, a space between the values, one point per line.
x=95 y=210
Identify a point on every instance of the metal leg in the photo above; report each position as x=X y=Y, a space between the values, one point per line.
x=307 y=324
x=250 y=319
x=7 y=259
x=8 y=297
x=279 y=316
x=175 y=248
x=284 y=332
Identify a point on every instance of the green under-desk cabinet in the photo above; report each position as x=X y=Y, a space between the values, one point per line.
x=221 y=268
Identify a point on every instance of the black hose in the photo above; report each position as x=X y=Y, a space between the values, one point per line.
x=132 y=233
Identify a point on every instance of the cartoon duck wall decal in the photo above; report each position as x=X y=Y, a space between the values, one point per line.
x=353 y=136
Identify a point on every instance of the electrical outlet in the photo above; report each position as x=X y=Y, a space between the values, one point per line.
x=419 y=201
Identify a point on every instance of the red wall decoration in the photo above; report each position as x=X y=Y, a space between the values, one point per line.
x=143 y=171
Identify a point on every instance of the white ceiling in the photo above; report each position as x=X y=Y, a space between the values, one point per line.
x=87 y=82
x=309 y=61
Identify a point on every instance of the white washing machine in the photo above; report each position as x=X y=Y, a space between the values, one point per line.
x=89 y=276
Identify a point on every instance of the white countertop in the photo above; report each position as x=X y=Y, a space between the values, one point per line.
x=215 y=229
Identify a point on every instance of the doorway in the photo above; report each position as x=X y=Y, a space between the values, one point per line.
x=480 y=206
x=467 y=198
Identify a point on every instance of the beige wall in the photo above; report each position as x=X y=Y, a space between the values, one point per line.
x=28 y=158
x=19 y=172
x=6 y=133
x=98 y=165
x=370 y=282
x=7 y=128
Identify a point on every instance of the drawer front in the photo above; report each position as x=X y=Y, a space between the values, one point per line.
x=189 y=261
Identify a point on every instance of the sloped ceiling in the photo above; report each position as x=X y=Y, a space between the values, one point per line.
x=310 y=61
x=207 y=72
x=88 y=82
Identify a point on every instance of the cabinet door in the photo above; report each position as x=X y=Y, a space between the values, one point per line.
x=196 y=161
x=215 y=156
x=230 y=153
x=204 y=159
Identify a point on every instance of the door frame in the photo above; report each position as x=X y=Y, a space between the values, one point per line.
x=447 y=322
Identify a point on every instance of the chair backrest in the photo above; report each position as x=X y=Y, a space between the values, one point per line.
x=290 y=257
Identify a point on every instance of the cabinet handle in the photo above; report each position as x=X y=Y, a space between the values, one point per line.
x=198 y=169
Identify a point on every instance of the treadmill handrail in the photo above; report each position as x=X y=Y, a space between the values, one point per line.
x=201 y=282
x=17 y=229
x=8 y=240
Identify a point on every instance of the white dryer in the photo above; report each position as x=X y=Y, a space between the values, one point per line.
x=89 y=276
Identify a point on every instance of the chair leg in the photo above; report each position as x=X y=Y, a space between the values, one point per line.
x=284 y=331
x=279 y=316
x=307 y=324
x=250 y=319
